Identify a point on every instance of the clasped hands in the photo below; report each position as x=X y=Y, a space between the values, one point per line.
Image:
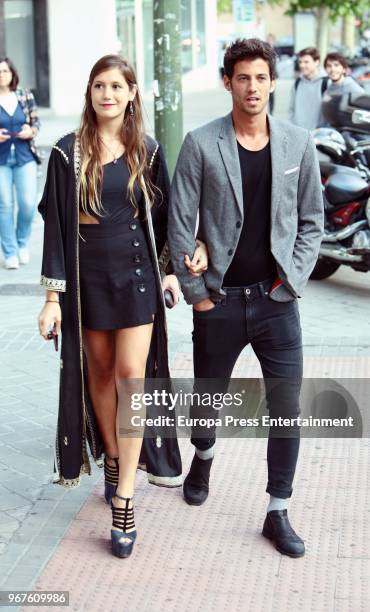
x=196 y=267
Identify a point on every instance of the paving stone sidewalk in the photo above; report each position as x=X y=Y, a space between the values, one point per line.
x=211 y=558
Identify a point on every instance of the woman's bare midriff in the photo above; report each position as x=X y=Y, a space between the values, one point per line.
x=84 y=218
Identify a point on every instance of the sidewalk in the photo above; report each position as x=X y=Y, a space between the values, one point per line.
x=210 y=558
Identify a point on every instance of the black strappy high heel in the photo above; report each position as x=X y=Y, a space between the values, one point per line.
x=111 y=473
x=123 y=518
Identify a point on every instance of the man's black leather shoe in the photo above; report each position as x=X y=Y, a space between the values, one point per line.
x=278 y=529
x=196 y=484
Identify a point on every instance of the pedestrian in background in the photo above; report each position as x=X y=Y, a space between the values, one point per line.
x=337 y=69
x=307 y=91
x=104 y=290
x=19 y=125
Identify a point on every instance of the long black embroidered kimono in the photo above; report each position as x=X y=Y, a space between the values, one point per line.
x=76 y=425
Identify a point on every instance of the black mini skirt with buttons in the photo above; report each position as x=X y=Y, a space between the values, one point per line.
x=117 y=280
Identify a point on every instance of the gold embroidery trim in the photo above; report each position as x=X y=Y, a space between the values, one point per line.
x=72 y=483
x=69 y=483
x=86 y=420
x=164 y=258
x=55 y=284
x=61 y=152
x=153 y=156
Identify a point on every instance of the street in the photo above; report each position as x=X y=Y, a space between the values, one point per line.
x=212 y=558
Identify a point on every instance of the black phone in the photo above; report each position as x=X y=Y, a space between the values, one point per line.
x=169 y=299
x=52 y=335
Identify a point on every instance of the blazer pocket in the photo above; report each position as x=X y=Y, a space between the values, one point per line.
x=291 y=178
x=291 y=171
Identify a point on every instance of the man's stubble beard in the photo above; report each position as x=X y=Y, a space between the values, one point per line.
x=252 y=111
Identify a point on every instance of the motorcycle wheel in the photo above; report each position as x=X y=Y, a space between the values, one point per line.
x=324 y=268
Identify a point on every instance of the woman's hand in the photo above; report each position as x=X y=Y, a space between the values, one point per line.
x=199 y=263
x=49 y=316
x=26 y=132
x=171 y=283
x=4 y=136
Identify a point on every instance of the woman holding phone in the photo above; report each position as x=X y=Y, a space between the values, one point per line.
x=18 y=158
x=105 y=211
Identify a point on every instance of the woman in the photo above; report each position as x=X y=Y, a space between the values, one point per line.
x=105 y=212
x=18 y=158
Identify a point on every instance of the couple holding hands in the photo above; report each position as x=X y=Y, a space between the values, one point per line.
x=239 y=229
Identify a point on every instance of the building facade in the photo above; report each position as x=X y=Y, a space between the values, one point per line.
x=198 y=26
x=54 y=43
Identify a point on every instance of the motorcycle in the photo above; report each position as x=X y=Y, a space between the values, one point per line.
x=346 y=141
x=345 y=176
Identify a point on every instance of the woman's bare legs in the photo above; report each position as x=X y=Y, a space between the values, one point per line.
x=99 y=347
x=132 y=349
x=113 y=358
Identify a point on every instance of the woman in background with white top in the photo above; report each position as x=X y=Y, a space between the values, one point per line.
x=18 y=158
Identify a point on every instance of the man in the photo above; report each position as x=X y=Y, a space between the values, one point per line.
x=307 y=91
x=336 y=67
x=255 y=182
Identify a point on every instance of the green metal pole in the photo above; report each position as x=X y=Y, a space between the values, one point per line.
x=168 y=118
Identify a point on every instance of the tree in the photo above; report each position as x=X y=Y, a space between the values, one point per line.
x=326 y=11
x=224 y=6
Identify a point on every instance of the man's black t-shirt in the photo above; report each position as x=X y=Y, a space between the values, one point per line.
x=253 y=261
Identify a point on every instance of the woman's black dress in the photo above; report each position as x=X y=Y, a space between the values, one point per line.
x=117 y=279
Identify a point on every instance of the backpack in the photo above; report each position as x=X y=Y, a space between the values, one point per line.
x=324 y=84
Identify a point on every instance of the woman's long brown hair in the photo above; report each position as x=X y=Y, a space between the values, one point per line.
x=132 y=136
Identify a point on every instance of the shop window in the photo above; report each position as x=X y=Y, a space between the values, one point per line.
x=192 y=27
x=18 y=16
x=125 y=13
x=192 y=23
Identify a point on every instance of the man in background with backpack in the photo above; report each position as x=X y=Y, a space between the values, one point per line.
x=307 y=91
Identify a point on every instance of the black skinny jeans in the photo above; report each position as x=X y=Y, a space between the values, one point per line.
x=249 y=315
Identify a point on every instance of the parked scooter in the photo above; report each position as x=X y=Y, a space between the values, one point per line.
x=346 y=189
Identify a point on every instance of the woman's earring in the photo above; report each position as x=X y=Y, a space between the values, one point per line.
x=131 y=108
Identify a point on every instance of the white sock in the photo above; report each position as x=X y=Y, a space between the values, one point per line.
x=276 y=503
x=205 y=454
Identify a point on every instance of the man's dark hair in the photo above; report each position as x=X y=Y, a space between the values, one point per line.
x=15 y=78
x=336 y=57
x=310 y=51
x=249 y=49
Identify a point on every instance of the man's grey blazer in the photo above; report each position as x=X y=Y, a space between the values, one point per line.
x=208 y=180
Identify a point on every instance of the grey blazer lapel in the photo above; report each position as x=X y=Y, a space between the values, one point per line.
x=278 y=147
x=229 y=153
